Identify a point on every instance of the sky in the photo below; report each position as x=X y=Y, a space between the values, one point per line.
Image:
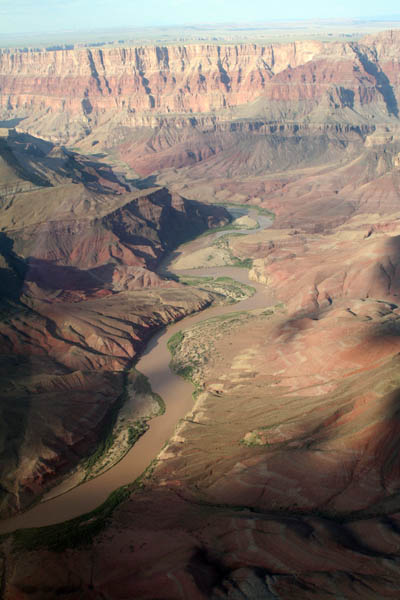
x=43 y=16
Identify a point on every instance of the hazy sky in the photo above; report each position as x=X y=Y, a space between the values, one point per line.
x=18 y=16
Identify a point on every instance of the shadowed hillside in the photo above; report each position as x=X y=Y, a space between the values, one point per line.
x=282 y=481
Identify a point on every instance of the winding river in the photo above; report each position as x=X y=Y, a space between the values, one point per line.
x=61 y=503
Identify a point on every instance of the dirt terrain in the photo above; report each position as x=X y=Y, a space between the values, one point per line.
x=79 y=300
x=282 y=480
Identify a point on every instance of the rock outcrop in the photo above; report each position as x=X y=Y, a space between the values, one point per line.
x=66 y=94
x=79 y=300
x=283 y=482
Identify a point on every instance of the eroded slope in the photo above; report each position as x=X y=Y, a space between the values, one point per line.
x=79 y=299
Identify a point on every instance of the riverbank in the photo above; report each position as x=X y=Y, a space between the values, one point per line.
x=177 y=396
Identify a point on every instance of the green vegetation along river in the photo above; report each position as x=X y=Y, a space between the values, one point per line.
x=177 y=395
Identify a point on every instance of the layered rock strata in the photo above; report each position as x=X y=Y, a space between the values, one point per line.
x=283 y=481
x=79 y=299
x=66 y=94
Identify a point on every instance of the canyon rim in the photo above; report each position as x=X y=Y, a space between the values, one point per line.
x=247 y=196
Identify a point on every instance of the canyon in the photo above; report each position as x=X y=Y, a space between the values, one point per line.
x=282 y=479
x=80 y=297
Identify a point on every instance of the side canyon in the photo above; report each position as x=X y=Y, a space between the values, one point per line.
x=283 y=479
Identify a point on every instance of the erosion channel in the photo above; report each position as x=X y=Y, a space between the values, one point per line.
x=61 y=503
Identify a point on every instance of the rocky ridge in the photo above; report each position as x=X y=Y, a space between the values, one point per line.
x=64 y=95
x=283 y=481
x=79 y=300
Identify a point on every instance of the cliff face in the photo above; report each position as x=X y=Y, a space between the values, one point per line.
x=66 y=94
x=196 y=78
x=292 y=445
x=78 y=300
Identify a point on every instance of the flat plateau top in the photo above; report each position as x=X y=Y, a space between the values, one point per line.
x=261 y=33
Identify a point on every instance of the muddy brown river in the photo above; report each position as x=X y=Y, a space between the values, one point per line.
x=61 y=503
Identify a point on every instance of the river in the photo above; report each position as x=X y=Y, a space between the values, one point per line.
x=60 y=505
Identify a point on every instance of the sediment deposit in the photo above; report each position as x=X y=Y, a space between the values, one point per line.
x=79 y=299
x=282 y=482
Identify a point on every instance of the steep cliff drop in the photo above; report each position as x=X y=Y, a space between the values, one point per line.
x=80 y=297
x=283 y=480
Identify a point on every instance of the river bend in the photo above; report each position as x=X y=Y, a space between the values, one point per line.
x=61 y=503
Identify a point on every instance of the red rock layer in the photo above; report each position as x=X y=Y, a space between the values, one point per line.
x=79 y=299
x=70 y=91
x=309 y=510
x=193 y=78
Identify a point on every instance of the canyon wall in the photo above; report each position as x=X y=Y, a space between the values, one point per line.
x=79 y=298
x=283 y=481
x=195 y=78
x=64 y=95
